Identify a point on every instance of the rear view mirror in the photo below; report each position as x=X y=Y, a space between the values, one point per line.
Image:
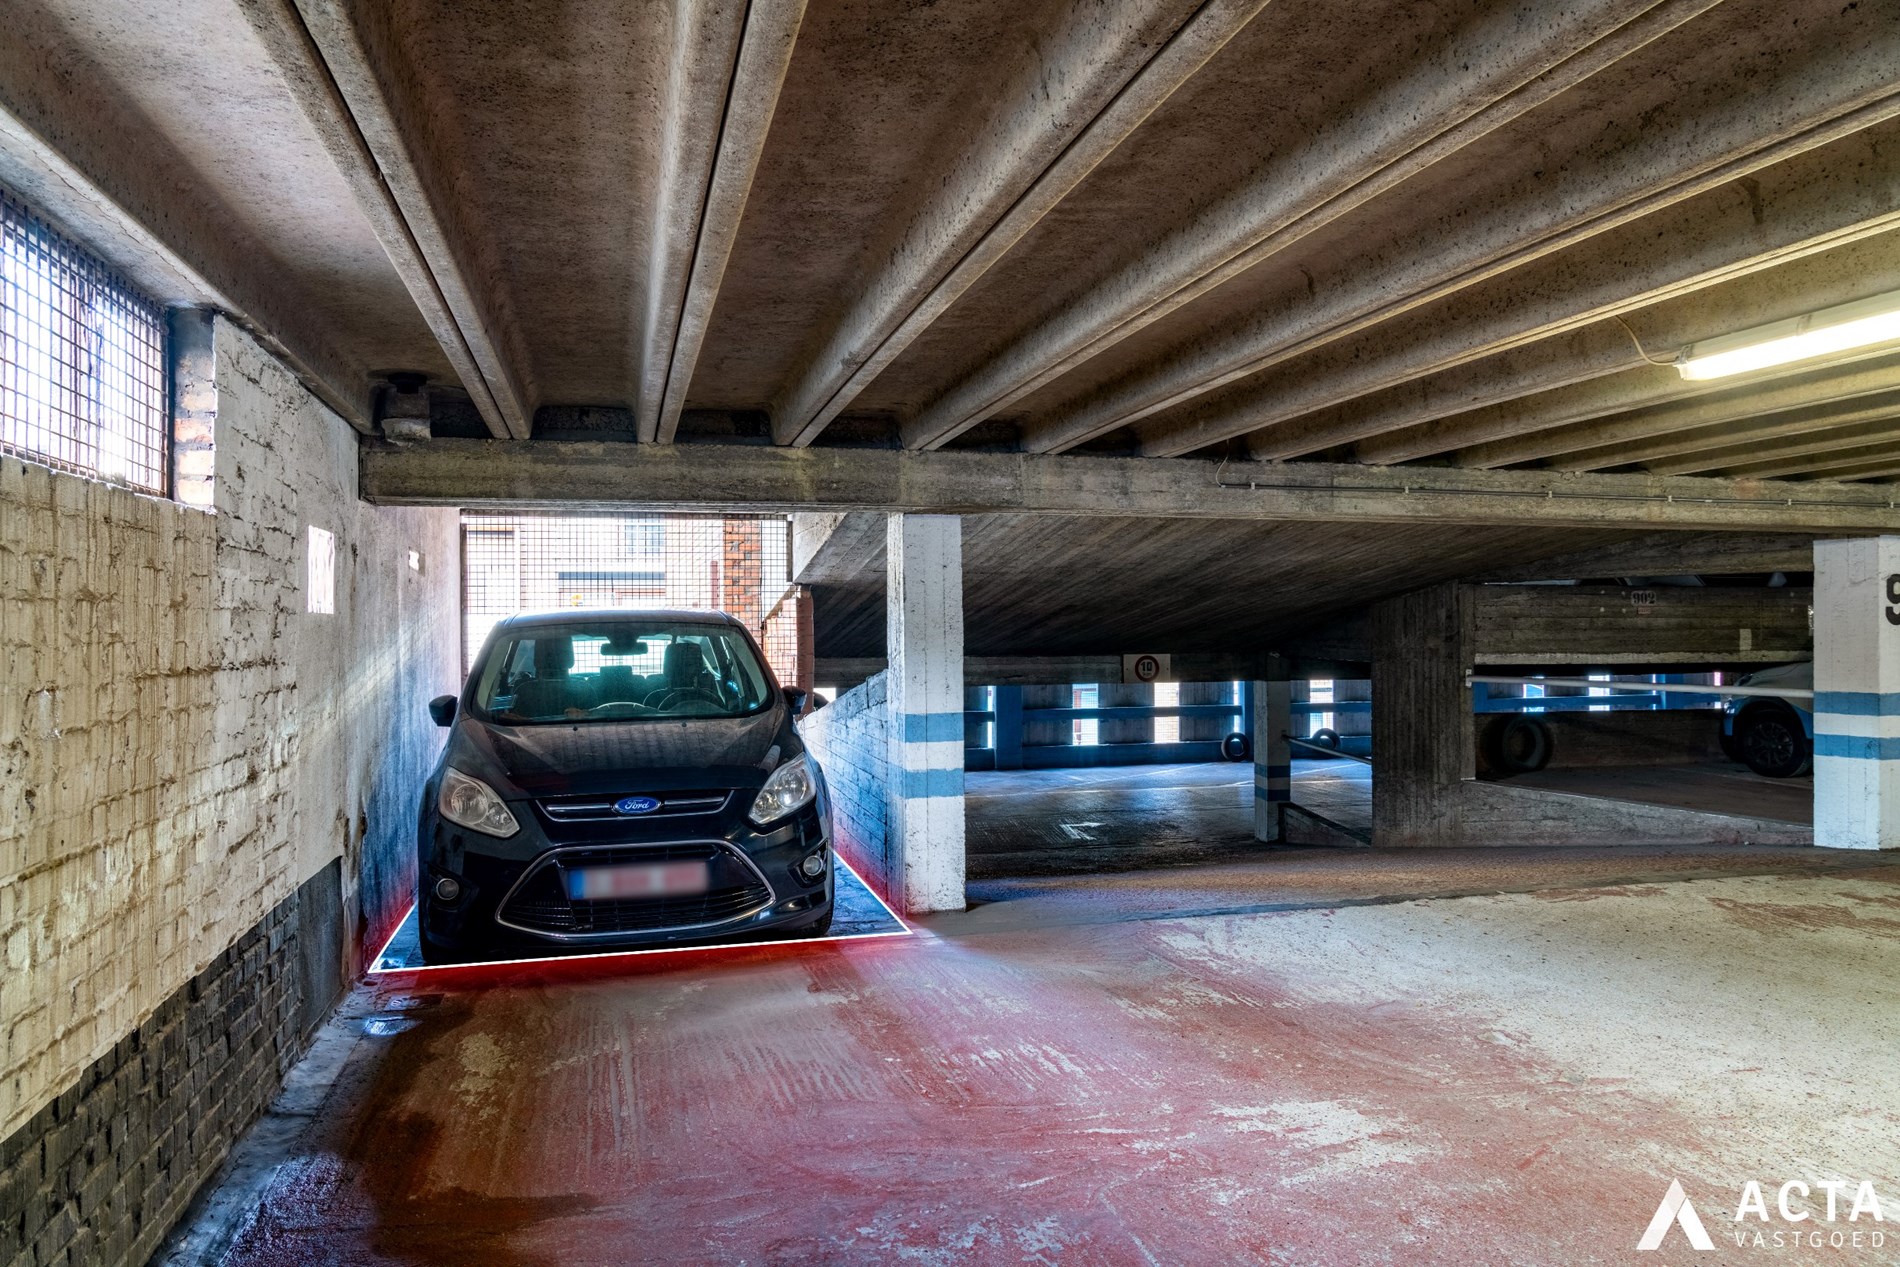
x=795 y=699
x=442 y=708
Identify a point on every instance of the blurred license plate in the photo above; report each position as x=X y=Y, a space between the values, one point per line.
x=651 y=879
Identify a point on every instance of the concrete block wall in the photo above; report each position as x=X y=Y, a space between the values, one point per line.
x=851 y=739
x=183 y=748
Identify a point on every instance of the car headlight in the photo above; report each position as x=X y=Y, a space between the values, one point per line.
x=791 y=787
x=473 y=804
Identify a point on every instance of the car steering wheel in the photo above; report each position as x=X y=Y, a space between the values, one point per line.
x=672 y=697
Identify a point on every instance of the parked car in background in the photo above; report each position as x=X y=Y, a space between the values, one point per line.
x=617 y=779
x=1771 y=735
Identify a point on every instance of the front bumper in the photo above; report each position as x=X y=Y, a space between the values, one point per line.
x=513 y=900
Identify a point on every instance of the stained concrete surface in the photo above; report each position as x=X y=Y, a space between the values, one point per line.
x=1500 y=1079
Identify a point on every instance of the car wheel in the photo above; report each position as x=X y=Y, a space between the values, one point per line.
x=1518 y=745
x=1326 y=737
x=1774 y=744
x=819 y=929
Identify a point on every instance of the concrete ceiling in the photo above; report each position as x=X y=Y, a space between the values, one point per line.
x=1056 y=585
x=1382 y=233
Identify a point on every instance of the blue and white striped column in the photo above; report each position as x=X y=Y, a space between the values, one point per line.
x=1272 y=756
x=924 y=637
x=1857 y=693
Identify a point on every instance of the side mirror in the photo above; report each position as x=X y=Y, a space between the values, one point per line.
x=442 y=708
x=795 y=699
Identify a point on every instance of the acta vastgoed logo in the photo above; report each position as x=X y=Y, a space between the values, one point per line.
x=1797 y=1224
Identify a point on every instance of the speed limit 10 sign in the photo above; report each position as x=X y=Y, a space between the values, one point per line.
x=1146 y=668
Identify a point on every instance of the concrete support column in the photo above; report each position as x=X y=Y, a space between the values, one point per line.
x=924 y=636
x=806 y=632
x=1009 y=727
x=1857 y=693
x=1423 y=748
x=1272 y=710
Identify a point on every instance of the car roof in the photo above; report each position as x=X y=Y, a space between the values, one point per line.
x=594 y=615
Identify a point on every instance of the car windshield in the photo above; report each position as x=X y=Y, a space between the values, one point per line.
x=617 y=670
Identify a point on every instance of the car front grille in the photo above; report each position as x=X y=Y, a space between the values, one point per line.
x=539 y=902
x=594 y=809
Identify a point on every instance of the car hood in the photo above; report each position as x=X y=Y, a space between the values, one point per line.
x=1790 y=676
x=600 y=756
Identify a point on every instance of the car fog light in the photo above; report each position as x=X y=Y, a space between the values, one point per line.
x=814 y=866
x=447 y=890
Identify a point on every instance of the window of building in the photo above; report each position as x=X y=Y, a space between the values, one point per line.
x=1319 y=691
x=82 y=360
x=1086 y=732
x=645 y=537
x=320 y=572
x=1167 y=729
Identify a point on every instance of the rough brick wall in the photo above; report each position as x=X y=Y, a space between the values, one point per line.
x=182 y=744
x=742 y=569
x=851 y=739
x=101 y=1172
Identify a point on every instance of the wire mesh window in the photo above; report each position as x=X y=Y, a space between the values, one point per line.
x=82 y=359
x=736 y=564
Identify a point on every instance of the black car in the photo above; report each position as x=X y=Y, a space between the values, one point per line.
x=619 y=779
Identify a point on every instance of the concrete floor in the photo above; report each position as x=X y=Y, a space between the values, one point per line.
x=1036 y=823
x=1047 y=822
x=1306 y=1056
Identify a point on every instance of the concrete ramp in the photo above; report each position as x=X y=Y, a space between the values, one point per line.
x=1515 y=814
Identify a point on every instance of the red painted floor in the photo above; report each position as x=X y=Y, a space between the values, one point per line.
x=1503 y=1079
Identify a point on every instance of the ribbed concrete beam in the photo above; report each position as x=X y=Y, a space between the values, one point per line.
x=1798 y=452
x=1577 y=380
x=1705 y=448
x=524 y=474
x=1405 y=436
x=1509 y=60
x=112 y=180
x=1647 y=402
x=1845 y=455
x=1821 y=199
x=1071 y=102
x=729 y=59
x=344 y=70
x=1715 y=131
x=835 y=547
x=1879 y=467
x=1573 y=361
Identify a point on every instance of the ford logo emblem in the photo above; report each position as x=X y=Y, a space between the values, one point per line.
x=631 y=805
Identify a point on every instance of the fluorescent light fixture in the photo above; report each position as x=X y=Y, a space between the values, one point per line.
x=1829 y=332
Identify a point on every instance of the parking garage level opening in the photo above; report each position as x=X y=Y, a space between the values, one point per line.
x=580 y=635
x=1090 y=777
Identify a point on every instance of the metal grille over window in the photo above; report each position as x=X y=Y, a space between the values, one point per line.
x=82 y=359
x=739 y=564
